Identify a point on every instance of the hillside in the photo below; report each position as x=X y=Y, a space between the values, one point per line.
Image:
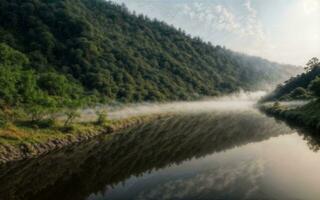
x=305 y=86
x=99 y=50
x=298 y=87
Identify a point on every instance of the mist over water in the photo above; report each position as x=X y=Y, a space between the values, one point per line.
x=218 y=148
x=213 y=149
x=238 y=101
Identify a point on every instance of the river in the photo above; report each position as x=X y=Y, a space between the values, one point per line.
x=227 y=151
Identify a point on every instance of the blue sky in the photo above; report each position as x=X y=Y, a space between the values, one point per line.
x=286 y=31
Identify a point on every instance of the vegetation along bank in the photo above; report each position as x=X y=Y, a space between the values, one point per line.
x=57 y=57
x=303 y=87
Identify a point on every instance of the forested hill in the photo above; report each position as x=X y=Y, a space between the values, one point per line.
x=67 y=49
x=301 y=87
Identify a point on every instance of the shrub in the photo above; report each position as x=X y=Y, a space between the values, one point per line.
x=315 y=86
x=276 y=105
x=9 y=116
x=102 y=117
x=71 y=115
x=68 y=128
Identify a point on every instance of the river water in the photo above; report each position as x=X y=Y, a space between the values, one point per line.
x=222 y=152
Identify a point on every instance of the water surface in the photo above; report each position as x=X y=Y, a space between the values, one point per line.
x=210 y=154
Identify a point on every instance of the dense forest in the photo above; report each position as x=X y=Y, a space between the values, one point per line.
x=301 y=87
x=67 y=53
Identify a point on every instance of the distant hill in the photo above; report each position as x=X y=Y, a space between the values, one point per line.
x=74 y=48
x=299 y=87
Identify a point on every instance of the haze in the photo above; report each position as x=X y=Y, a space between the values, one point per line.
x=286 y=31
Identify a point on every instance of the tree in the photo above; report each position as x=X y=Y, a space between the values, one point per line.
x=299 y=93
x=102 y=117
x=12 y=57
x=71 y=115
x=312 y=63
x=41 y=108
x=116 y=53
x=58 y=85
x=71 y=111
x=315 y=86
x=12 y=78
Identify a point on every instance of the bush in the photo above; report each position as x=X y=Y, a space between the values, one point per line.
x=68 y=128
x=299 y=93
x=315 y=86
x=9 y=116
x=3 y=122
x=102 y=117
x=276 y=105
x=46 y=123
x=71 y=115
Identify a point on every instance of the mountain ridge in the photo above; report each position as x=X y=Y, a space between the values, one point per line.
x=109 y=53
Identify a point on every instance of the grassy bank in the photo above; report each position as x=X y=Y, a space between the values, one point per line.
x=307 y=115
x=20 y=142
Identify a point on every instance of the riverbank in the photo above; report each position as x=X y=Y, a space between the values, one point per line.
x=307 y=115
x=18 y=143
x=26 y=140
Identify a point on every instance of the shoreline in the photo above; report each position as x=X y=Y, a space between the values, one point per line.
x=306 y=116
x=25 y=149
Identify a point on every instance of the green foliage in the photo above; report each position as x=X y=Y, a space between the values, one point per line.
x=37 y=95
x=298 y=93
x=56 y=56
x=13 y=80
x=315 y=86
x=58 y=85
x=102 y=117
x=99 y=49
x=313 y=62
x=8 y=116
x=41 y=108
x=11 y=57
x=299 y=87
x=307 y=115
x=72 y=111
x=71 y=115
x=276 y=105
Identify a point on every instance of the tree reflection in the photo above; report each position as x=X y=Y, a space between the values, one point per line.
x=77 y=171
x=311 y=136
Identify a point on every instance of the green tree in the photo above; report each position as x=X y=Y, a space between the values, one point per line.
x=72 y=111
x=315 y=86
x=13 y=80
x=102 y=117
x=12 y=57
x=58 y=85
x=41 y=108
x=312 y=63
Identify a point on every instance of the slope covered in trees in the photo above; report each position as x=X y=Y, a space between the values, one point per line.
x=301 y=87
x=69 y=49
x=305 y=86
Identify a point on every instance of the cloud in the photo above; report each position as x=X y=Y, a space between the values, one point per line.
x=224 y=180
x=253 y=26
x=210 y=20
x=283 y=31
x=213 y=16
x=221 y=24
x=311 y=6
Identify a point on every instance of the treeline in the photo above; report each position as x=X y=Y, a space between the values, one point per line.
x=67 y=53
x=26 y=94
x=305 y=86
x=301 y=87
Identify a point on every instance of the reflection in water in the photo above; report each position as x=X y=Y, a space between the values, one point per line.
x=218 y=182
x=310 y=135
x=179 y=157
